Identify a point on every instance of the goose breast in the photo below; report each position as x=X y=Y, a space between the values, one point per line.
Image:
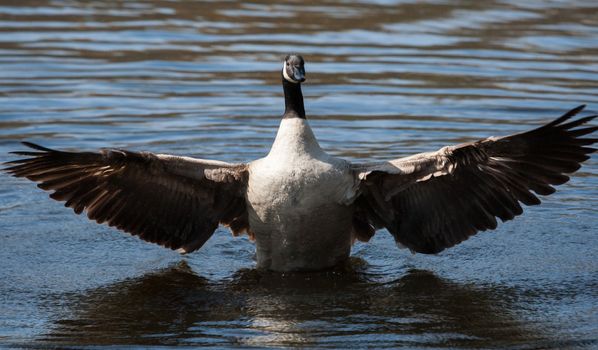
x=300 y=212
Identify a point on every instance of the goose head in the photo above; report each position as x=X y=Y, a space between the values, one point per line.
x=293 y=69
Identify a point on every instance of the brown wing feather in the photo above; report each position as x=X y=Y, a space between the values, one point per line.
x=472 y=184
x=150 y=196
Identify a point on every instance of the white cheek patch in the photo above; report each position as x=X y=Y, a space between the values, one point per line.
x=286 y=75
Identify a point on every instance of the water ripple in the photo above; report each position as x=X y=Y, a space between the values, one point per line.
x=385 y=79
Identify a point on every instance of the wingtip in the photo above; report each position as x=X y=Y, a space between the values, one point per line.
x=568 y=115
x=25 y=153
x=573 y=112
x=36 y=146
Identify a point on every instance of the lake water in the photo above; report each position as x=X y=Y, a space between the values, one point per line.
x=385 y=79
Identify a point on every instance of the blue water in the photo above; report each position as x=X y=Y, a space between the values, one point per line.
x=385 y=79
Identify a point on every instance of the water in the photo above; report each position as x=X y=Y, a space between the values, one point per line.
x=385 y=79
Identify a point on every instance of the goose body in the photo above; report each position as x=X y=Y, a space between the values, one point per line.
x=304 y=207
x=299 y=202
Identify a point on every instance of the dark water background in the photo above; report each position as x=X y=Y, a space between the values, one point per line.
x=385 y=79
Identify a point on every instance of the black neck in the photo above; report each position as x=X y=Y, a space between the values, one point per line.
x=293 y=100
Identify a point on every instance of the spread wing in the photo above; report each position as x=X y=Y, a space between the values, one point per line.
x=176 y=202
x=432 y=201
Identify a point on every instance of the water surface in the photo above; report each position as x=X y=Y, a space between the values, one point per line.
x=385 y=79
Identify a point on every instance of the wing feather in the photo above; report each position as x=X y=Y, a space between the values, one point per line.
x=176 y=202
x=434 y=200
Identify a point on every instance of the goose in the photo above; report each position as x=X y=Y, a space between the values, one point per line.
x=303 y=207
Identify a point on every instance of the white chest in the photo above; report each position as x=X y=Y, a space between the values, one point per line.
x=301 y=184
x=297 y=176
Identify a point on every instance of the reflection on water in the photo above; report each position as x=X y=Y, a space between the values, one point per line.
x=337 y=308
x=385 y=78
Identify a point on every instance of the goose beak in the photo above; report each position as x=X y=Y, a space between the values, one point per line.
x=299 y=74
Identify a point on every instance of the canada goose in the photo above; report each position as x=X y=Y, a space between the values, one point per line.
x=303 y=207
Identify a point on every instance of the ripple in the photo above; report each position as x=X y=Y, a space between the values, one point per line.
x=385 y=79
